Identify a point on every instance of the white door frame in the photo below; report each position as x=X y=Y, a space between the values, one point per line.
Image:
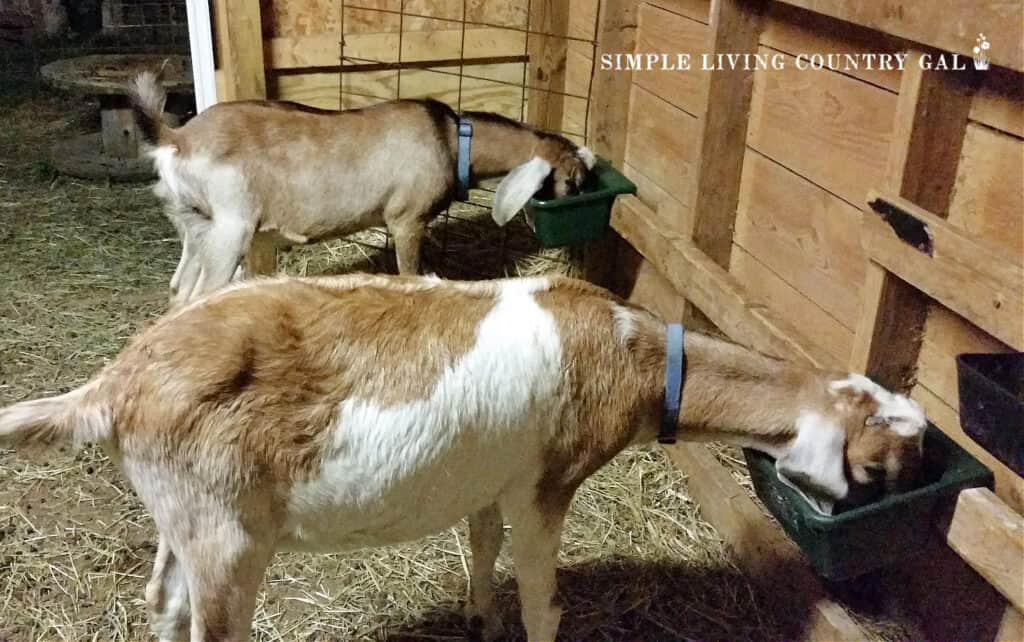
x=200 y=39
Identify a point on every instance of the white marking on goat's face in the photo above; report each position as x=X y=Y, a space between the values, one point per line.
x=399 y=472
x=901 y=414
x=812 y=464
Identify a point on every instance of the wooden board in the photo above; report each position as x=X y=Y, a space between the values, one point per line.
x=767 y=288
x=711 y=288
x=324 y=50
x=548 y=61
x=979 y=281
x=694 y=9
x=670 y=211
x=931 y=22
x=830 y=128
x=239 y=50
x=988 y=195
x=806 y=235
x=663 y=144
x=795 y=31
x=999 y=102
x=991 y=536
x=661 y=31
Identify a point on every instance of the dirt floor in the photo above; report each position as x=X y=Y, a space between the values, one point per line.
x=85 y=264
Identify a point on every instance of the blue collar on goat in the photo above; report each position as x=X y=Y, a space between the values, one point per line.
x=675 y=374
x=462 y=159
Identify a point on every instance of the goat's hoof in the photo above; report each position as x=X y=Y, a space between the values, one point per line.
x=486 y=627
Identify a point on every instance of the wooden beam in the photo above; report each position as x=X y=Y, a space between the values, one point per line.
x=989 y=536
x=240 y=49
x=548 y=51
x=951 y=25
x=609 y=120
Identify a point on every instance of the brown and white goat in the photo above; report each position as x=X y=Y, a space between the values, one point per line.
x=333 y=413
x=306 y=174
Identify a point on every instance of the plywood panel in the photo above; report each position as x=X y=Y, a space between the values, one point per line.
x=830 y=128
x=807 y=236
x=316 y=89
x=441 y=84
x=663 y=143
x=810 y=320
x=988 y=197
x=661 y=31
x=310 y=17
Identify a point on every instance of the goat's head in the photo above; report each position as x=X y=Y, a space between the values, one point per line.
x=560 y=168
x=869 y=441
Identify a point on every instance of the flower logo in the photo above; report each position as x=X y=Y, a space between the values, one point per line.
x=981 y=47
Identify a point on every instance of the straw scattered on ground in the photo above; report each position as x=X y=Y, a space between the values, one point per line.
x=85 y=264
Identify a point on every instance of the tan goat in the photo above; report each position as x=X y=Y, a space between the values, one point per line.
x=306 y=174
x=334 y=413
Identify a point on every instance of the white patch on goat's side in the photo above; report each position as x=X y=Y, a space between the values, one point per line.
x=400 y=472
x=813 y=462
x=587 y=156
x=903 y=415
x=624 y=323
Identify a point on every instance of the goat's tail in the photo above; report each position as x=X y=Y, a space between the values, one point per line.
x=148 y=97
x=78 y=416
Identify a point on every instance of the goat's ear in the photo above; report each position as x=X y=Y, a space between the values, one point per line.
x=517 y=188
x=813 y=462
x=587 y=156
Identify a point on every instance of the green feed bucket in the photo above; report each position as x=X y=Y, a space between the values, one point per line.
x=582 y=217
x=875 y=535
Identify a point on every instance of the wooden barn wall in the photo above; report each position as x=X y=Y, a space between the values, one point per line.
x=817 y=143
x=302 y=49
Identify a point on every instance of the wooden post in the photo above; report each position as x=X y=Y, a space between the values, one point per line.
x=735 y=27
x=548 y=60
x=931 y=121
x=609 y=119
x=243 y=77
x=118 y=131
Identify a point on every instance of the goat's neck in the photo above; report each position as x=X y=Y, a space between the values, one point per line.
x=735 y=395
x=498 y=147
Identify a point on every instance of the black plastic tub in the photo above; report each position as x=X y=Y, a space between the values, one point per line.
x=992 y=404
x=869 y=537
x=583 y=217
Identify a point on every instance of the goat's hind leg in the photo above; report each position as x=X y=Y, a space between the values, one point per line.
x=167 y=597
x=485 y=537
x=220 y=249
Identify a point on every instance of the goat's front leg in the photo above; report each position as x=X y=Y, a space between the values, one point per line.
x=536 y=534
x=485 y=535
x=167 y=597
x=408 y=235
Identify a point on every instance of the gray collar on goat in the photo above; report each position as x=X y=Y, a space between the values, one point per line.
x=462 y=157
x=675 y=374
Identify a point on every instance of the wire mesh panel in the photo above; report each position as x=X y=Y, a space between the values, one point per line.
x=529 y=60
